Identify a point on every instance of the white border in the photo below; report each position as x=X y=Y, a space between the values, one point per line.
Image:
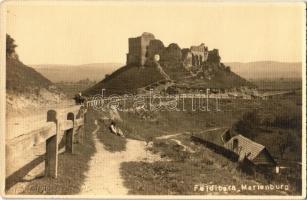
x=141 y=2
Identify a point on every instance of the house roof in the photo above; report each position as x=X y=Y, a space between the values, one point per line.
x=213 y=135
x=248 y=148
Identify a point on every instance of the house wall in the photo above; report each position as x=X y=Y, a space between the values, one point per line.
x=264 y=159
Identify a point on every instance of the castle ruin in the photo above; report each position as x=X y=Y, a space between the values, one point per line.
x=145 y=47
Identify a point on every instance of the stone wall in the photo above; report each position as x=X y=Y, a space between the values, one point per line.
x=199 y=54
x=155 y=47
x=214 y=56
x=187 y=58
x=171 y=54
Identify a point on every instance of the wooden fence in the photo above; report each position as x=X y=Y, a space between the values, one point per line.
x=61 y=127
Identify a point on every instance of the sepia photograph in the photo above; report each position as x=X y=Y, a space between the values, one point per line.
x=153 y=99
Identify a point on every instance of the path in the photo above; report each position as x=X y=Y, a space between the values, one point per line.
x=185 y=148
x=168 y=136
x=103 y=176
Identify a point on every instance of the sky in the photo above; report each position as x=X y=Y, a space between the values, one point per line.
x=80 y=33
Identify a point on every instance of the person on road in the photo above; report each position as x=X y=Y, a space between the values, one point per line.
x=115 y=130
x=79 y=99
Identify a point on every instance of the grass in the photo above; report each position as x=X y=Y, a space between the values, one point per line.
x=184 y=170
x=126 y=80
x=111 y=142
x=155 y=124
x=169 y=149
x=179 y=176
x=71 y=89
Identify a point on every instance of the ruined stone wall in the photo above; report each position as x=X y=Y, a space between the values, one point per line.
x=187 y=58
x=144 y=48
x=199 y=54
x=214 y=56
x=155 y=47
x=171 y=54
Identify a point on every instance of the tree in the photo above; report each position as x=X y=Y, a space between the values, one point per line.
x=248 y=124
x=284 y=141
x=268 y=121
x=10 y=46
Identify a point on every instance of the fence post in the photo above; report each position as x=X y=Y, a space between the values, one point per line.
x=81 y=128
x=69 y=135
x=51 y=160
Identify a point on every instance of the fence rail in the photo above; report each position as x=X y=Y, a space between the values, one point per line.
x=30 y=149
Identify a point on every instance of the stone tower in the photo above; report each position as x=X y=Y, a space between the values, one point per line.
x=138 y=48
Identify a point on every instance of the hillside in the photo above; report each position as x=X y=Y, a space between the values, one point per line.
x=27 y=90
x=129 y=79
x=74 y=73
x=21 y=78
x=267 y=69
x=125 y=80
x=218 y=77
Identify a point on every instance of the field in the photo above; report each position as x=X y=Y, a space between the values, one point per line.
x=201 y=165
x=73 y=88
x=278 y=84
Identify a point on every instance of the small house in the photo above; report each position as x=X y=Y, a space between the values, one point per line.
x=235 y=146
x=248 y=149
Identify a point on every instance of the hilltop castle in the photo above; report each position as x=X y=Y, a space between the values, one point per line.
x=146 y=48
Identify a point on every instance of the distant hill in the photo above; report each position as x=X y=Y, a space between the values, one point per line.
x=74 y=73
x=266 y=69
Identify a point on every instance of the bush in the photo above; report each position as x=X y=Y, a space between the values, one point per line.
x=247 y=124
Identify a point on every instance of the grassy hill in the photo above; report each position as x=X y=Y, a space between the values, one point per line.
x=74 y=73
x=126 y=80
x=220 y=79
x=129 y=79
x=21 y=78
x=267 y=69
x=28 y=91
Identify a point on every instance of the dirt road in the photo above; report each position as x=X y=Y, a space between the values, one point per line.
x=103 y=176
